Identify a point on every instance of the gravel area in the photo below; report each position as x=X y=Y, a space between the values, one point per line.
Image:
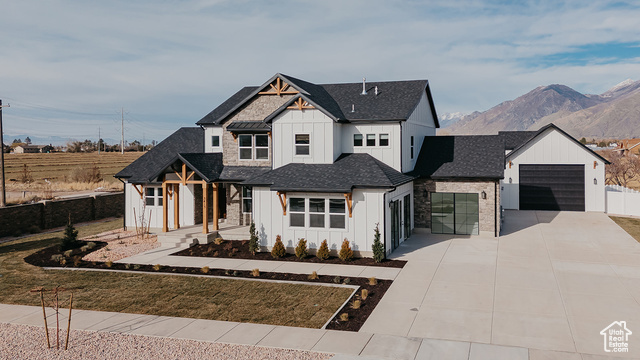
x=122 y=244
x=28 y=342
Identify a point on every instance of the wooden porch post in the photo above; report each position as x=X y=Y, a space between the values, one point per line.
x=215 y=206
x=176 y=206
x=205 y=208
x=165 y=224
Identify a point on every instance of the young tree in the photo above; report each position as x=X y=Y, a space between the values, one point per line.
x=345 y=254
x=378 y=248
x=323 y=251
x=621 y=169
x=27 y=140
x=70 y=239
x=254 y=246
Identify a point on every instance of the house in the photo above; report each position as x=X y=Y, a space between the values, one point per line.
x=335 y=161
x=32 y=149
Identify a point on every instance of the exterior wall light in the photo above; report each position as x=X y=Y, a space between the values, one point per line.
x=484 y=195
x=510 y=181
x=595 y=181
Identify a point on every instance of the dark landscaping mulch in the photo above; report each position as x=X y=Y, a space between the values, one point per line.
x=357 y=317
x=239 y=249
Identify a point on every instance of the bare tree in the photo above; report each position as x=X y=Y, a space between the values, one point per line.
x=621 y=170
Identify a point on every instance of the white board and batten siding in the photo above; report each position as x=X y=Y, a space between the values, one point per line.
x=209 y=132
x=153 y=213
x=553 y=147
x=321 y=133
x=419 y=124
x=398 y=194
x=389 y=155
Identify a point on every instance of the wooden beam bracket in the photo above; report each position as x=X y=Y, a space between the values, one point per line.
x=140 y=191
x=349 y=199
x=300 y=104
x=283 y=203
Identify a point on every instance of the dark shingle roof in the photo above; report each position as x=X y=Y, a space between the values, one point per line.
x=241 y=173
x=396 y=100
x=462 y=157
x=249 y=126
x=185 y=140
x=513 y=139
x=347 y=172
x=207 y=165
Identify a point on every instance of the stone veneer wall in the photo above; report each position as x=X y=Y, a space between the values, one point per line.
x=488 y=211
x=56 y=213
x=234 y=206
x=255 y=110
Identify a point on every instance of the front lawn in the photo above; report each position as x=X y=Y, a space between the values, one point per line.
x=184 y=296
x=630 y=225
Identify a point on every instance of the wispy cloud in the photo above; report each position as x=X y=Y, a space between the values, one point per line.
x=168 y=63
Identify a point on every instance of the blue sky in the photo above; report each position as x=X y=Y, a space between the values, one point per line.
x=68 y=67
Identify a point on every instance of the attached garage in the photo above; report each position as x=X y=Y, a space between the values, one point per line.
x=553 y=171
x=552 y=187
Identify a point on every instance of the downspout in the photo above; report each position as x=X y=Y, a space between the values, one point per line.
x=496 y=214
x=401 y=147
x=384 y=223
x=124 y=205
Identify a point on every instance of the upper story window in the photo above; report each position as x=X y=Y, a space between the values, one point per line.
x=383 y=140
x=357 y=139
x=215 y=141
x=371 y=139
x=253 y=147
x=302 y=144
x=412 y=147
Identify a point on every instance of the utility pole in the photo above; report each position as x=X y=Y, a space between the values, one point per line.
x=122 y=139
x=3 y=194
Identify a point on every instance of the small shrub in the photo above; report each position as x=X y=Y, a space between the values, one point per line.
x=373 y=281
x=254 y=246
x=216 y=254
x=227 y=272
x=70 y=238
x=278 y=249
x=301 y=249
x=91 y=245
x=255 y=272
x=345 y=254
x=313 y=276
x=77 y=260
x=364 y=294
x=347 y=281
x=204 y=269
x=86 y=175
x=136 y=267
x=63 y=261
x=157 y=267
x=68 y=253
x=218 y=241
x=356 y=304
x=323 y=251
x=344 y=317
x=109 y=263
x=228 y=246
x=56 y=257
x=235 y=250
x=85 y=248
x=127 y=266
x=337 y=280
x=378 y=248
x=235 y=273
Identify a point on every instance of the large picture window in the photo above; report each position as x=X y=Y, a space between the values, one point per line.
x=253 y=147
x=247 y=199
x=302 y=144
x=454 y=213
x=312 y=213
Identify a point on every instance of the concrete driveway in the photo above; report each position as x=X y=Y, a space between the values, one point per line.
x=552 y=281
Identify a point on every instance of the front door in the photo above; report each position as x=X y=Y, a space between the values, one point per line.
x=407 y=216
x=395 y=223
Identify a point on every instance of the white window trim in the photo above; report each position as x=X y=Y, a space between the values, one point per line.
x=242 y=198
x=157 y=197
x=327 y=214
x=295 y=145
x=375 y=139
x=388 y=141
x=254 y=147
x=219 y=141
x=354 y=141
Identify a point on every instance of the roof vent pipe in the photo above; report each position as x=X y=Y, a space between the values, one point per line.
x=353 y=108
x=376 y=90
x=364 y=89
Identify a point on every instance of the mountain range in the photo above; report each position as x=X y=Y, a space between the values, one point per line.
x=612 y=114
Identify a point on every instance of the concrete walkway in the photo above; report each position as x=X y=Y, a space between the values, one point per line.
x=161 y=256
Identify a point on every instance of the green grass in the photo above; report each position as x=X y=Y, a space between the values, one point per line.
x=630 y=225
x=183 y=296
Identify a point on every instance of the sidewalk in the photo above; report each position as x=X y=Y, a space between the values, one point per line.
x=346 y=345
x=161 y=256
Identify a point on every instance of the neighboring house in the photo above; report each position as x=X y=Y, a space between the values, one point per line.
x=32 y=149
x=330 y=161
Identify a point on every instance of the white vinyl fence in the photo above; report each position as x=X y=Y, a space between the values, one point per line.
x=621 y=200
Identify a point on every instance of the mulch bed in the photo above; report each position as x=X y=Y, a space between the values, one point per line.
x=357 y=317
x=239 y=249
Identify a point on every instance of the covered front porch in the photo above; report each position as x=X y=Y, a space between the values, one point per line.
x=192 y=235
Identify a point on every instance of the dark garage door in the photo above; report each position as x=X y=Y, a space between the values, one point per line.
x=552 y=187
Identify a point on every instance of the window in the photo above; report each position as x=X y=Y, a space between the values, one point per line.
x=371 y=139
x=302 y=144
x=215 y=141
x=296 y=212
x=384 y=140
x=247 y=197
x=246 y=146
x=316 y=213
x=454 y=213
x=262 y=147
x=412 y=147
x=357 y=139
x=337 y=213
x=153 y=196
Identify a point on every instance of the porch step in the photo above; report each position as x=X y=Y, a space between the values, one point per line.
x=184 y=240
x=232 y=236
